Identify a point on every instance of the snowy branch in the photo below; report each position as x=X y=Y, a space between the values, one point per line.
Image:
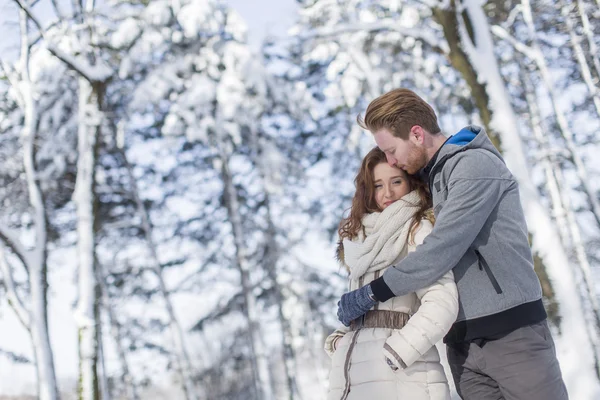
x=14 y=357
x=553 y=153
x=502 y=33
x=13 y=80
x=34 y=39
x=57 y=9
x=379 y=26
x=439 y=4
x=512 y=16
x=11 y=240
x=77 y=7
x=11 y=291
x=93 y=73
x=89 y=6
x=363 y=63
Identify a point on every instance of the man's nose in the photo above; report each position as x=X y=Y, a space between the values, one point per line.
x=391 y=160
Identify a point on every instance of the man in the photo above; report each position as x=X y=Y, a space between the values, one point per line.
x=500 y=347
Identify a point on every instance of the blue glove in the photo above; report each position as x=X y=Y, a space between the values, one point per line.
x=355 y=303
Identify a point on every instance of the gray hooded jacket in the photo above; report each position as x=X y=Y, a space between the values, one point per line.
x=480 y=233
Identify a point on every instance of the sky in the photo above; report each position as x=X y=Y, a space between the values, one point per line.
x=263 y=17
x=8 y=30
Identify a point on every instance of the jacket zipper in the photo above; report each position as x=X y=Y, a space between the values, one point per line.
x=347 y=364
x=484 y=265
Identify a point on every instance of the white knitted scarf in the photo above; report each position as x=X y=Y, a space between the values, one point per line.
x=386 y=235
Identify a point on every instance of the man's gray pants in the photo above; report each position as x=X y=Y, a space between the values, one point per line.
x=521 y=365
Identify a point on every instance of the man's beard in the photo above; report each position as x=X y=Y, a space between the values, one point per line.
x=417 y=160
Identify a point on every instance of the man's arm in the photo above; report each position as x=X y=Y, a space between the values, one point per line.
x=474 y=190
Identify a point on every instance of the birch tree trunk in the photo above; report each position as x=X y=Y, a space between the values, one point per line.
x=589 y=293
x=449 y=18
x=480 y=51
x=126 y=378
x=584 y=67
x=91 y=89
x=589 y=34
x=84 y=198
x=548 y=165
x=35 y=320
x=564 y=213
x=258 y=352
x=271 y=260
x=93 y=75
x=104 y=389
x=565 y=130
x=38 y=279
x=115 y=328
x=182 y=357
x=289 y=354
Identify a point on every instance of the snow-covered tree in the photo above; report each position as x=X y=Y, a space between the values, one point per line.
x=25 y=231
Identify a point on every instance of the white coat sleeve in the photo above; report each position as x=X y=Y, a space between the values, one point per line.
x=332 y=340
x=433 y=319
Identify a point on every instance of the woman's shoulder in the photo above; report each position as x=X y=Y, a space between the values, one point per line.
x=422 y=229
x=424 y=225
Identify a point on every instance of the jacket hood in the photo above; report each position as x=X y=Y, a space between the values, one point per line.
x=470 y=137
x=463 y=137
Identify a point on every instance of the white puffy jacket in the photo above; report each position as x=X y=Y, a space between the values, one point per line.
x=413 y=371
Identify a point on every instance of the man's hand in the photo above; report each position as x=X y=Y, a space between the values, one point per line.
x=355 y=303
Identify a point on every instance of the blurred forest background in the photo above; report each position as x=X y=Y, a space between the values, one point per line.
x=170 y=194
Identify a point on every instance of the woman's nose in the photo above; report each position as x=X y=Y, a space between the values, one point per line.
x=388 y=192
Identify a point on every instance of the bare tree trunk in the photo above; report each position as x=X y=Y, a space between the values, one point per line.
x=86 y=312
x=586 y=72
x=558 y=208
x=38 y=269
x=104 y=389
x=564 y=214
x=93 y=75
x=589 y=294
x=589 y=34
x=89 y=125
x=448 y=19
x=44 y=364
x=584 y=265
x=39 y=333
x=271 y=260
x=115 y=327
x=540 y=61
x=182 y=357
x=289 y=354
x=35 y=262
x=259 y=355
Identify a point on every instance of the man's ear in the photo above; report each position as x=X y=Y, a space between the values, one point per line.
x=417 y=134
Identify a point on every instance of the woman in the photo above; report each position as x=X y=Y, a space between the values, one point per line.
x=390 y=353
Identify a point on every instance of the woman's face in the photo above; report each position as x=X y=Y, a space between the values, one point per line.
x=391 y=184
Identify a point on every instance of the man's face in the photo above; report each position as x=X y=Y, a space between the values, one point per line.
x=408 y=155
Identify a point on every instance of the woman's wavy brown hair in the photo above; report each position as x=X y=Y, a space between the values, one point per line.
x=364 y=202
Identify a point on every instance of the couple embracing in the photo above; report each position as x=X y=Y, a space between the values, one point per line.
x=462 y=272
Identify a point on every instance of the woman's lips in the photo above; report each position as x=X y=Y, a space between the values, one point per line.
x=387 y=203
